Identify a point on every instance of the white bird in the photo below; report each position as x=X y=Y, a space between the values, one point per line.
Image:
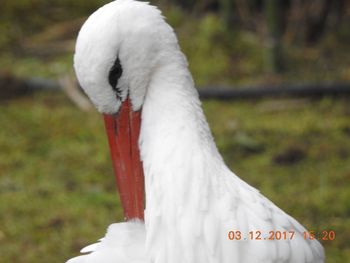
x=126 y=51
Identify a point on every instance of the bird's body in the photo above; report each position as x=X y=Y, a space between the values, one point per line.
x=193 y=200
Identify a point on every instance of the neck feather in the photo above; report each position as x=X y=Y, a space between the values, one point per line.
x=174 y=129
x=180 y=159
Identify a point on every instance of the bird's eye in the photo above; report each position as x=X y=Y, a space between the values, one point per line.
x=114 y=74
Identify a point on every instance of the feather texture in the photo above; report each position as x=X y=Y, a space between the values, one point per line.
x=192 y=199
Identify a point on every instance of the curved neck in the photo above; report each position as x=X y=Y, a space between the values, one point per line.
x=175 y=139
x=172 y=116
x=180 y=159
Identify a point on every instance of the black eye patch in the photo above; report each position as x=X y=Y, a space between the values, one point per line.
x=114 y=74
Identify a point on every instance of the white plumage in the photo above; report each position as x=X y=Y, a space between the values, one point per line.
x=192 y=199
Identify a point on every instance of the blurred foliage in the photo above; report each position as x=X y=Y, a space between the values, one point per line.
x=217 y=54
x=20 y=19
x=300 y=19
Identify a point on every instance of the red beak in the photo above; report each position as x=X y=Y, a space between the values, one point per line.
x=123 y=131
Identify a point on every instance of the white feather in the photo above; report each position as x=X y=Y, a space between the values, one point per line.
x=192 y=198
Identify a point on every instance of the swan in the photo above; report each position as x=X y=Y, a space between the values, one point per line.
x=129 y=63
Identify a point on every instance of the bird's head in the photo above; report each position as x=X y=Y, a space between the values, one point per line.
x=117 y=49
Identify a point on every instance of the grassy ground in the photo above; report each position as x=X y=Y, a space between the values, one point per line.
x=57 y=187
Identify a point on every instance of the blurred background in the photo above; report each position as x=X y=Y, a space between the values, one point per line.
x=57 y=190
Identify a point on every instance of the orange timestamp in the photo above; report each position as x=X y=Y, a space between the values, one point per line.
x=325 y=235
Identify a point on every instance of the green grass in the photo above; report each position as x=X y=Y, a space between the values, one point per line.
x=57 y=189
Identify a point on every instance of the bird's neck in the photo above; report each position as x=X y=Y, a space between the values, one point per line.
x=180 y=158
x=174 y=129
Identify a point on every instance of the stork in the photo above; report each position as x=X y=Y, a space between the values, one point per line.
x=129 y=63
